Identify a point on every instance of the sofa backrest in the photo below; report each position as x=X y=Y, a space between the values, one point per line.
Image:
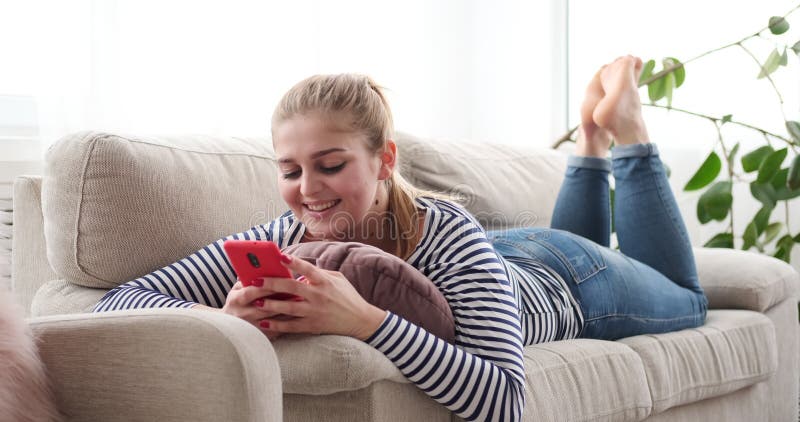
x=117 y=207
x=504 y=186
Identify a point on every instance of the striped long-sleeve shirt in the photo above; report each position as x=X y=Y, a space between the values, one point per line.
x=494 y=303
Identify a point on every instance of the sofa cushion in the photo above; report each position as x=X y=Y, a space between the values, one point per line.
x=57 y=297
x=385 y=281
x=328 y=364
x=116 y=207
x=732 y=350
x=735 y=279
x=566 y=380
x=503 y=186
x=584 y=380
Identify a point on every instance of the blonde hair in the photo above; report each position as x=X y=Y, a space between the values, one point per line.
x=359 y=102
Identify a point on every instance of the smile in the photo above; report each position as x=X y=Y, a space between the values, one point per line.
x=322 y=206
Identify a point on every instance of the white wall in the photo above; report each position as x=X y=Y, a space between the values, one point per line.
x=457 y=69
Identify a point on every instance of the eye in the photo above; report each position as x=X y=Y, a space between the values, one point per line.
x=332 y=170
x=291 y=175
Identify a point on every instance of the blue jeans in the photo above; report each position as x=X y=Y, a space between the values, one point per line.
x=651 y=284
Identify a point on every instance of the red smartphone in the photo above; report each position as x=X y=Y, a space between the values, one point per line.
x=252 y=259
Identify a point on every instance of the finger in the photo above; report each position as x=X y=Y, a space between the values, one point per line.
x=298 y=325
x=300 y=266
x=251 y=294
x=289 y=285
x=286 y=307
x=260 y=313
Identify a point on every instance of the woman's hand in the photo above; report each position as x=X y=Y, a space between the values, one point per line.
x=244 y=302
x=331 y=304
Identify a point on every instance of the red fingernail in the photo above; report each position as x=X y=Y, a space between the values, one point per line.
x=286 y=259
x=258 y=303
x=264 y=324
x=301 y=278
x=259 y=282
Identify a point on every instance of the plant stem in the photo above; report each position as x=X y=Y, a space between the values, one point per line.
x=727 y=164
x=567 y=137
x=766 y=138
x=786 y=208
x=717 y=119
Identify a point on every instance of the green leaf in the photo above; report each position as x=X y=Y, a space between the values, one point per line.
x=796 y=48
x=647 y=71
x=772 y=231
x=794 y=129
x=765 y=193
x=656 y=90
x=715 y=202
x=784 y=58
x=749 y=236
x=721 y=240
x=770 y=166
x=669 y=86
x=793 y=177
x=732 y=155
x=667 y=169
x=680 y=73
x=782 y=254
x=706 y=174
x=778 y=25
x=796 y=238
x=752 y=160
x=726 y=118
x=761 y=219
x=779 y=182
x=771 y=64
x=784 y=250
x=786 y=241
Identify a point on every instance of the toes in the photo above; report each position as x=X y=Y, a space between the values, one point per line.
x=595 y=86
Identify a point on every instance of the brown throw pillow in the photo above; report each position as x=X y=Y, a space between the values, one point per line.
x=385 y=281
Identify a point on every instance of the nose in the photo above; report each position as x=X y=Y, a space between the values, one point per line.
x=309 y=185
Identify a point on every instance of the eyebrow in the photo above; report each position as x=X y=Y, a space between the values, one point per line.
x=315 y=155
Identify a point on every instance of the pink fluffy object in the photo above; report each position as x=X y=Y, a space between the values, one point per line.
x=25 y=394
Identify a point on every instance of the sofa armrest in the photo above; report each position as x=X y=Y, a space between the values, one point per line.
x=160 y=364
x=734 y=279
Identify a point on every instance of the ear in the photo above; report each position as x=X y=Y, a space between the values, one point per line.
x=388 y=160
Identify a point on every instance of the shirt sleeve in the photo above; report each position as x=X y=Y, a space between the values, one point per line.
x=481 y=377
x=204 y=277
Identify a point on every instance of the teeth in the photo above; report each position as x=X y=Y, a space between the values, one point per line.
x=321 y=207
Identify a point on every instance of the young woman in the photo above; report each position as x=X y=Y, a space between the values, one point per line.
x=332 y=136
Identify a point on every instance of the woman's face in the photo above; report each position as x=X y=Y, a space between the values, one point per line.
x=329 y=178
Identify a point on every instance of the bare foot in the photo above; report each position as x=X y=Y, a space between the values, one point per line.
x=620 y=110
x=593 y=141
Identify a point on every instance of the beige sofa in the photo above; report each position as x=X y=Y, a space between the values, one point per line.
x=110 y=208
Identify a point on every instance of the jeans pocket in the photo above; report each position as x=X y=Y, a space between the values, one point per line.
x=579 y=256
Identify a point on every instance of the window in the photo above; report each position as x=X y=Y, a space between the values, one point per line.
x=455 y=69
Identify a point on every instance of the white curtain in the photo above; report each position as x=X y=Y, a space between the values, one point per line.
x=454 y=69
